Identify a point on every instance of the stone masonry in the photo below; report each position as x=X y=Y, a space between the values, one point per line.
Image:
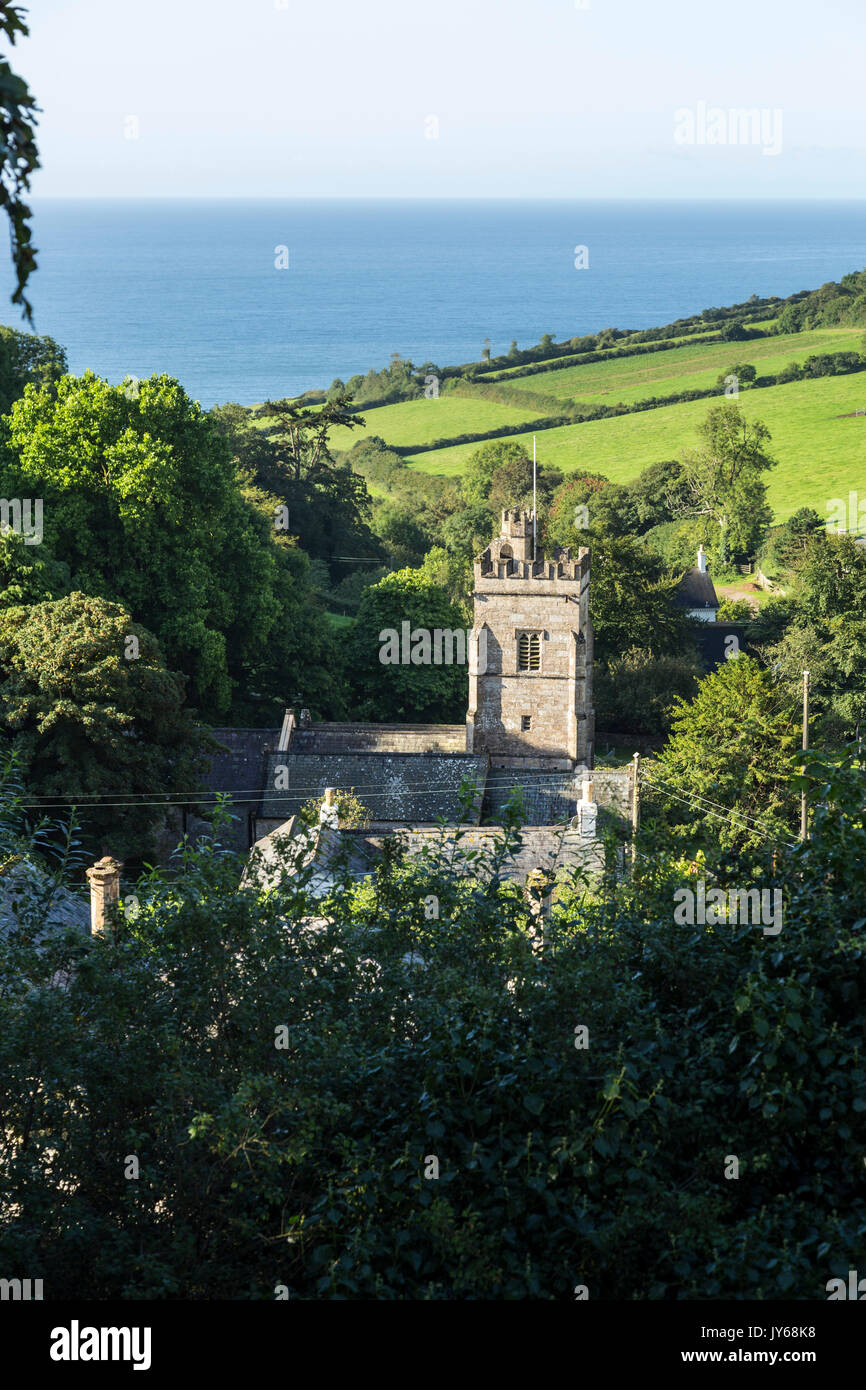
x=531 y=699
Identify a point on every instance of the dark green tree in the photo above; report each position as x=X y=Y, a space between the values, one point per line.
x=725 y=477
x=27 y=359
x=95 y=717
x=416 y=690
x=285 y=451
x=725 y=772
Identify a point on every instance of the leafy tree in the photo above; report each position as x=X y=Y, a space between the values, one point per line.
x=285 y=451
x=419 y=691
x=26 y=358
x=301 y=658
x=786 y=545
x=734 y=332
x=95 y=716
x=744 y=372
x=734 y=610
x=466 y=533
x=28 y=574
x=300 y=436
x=826 y=635
x=142 y=504
x=276 y=1076
x=20 y=157
x=483 y=463
x=725 y=477
x=658 y=494
x=631 y=600
x=637 y=691
x=563 y=517
x=405 y=540
x=451 y=572
x=728 y=759
x=511 y=486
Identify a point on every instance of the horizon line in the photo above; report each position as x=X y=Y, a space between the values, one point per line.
x=430 y=198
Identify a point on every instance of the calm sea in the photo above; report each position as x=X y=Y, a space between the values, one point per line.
x=192 y=288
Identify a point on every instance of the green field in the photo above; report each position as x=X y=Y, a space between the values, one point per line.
x=691 y=367
x=443 y=417
x=820 y=456
x=511 y=373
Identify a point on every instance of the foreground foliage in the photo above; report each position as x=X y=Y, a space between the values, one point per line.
x=284 y=1083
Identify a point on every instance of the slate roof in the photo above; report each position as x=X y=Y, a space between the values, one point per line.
x=696 y=590
x=548 y=797
x=416 y=787
x=290 y=848
x=239 y=767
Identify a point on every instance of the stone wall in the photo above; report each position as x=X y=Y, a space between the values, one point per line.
x=546 y=712
x=611 y=788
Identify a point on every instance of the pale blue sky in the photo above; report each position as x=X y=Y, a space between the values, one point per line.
x=257 y=98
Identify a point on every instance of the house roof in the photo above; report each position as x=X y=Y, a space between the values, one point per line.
x=696 y=590
x=292 y=848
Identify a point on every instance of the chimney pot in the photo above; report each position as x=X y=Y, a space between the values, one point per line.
x=104 y=878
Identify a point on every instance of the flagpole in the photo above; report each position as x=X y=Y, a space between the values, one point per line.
x=534 y=503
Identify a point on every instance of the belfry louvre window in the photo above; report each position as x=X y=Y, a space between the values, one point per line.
x=529 y=651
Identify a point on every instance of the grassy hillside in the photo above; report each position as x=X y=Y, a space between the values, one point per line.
x=820 y=455
x=443 y=417
x=694 y=366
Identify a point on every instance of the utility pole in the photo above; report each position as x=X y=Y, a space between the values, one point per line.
x=635 y=809
x=803 y=818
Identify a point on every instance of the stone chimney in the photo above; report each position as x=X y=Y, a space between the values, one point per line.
x=286 y=732
x=702 y=560
x=104 y=891
x=587 y=810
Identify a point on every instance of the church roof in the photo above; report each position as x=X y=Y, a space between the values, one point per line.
x=237 y=768
x=419 y=787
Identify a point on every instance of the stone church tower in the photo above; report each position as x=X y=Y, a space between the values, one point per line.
x=530 y=667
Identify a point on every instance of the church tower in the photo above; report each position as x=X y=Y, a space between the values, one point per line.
x=530 y=665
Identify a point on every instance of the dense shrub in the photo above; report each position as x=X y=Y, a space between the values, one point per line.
x=409 y=1039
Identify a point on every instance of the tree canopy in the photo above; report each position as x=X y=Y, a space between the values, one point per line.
x=417 y=691
x=95 y=716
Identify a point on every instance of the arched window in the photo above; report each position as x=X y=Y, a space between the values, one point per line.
x=529 y=651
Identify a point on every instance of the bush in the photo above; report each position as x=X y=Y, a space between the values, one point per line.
x=382 y=1104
